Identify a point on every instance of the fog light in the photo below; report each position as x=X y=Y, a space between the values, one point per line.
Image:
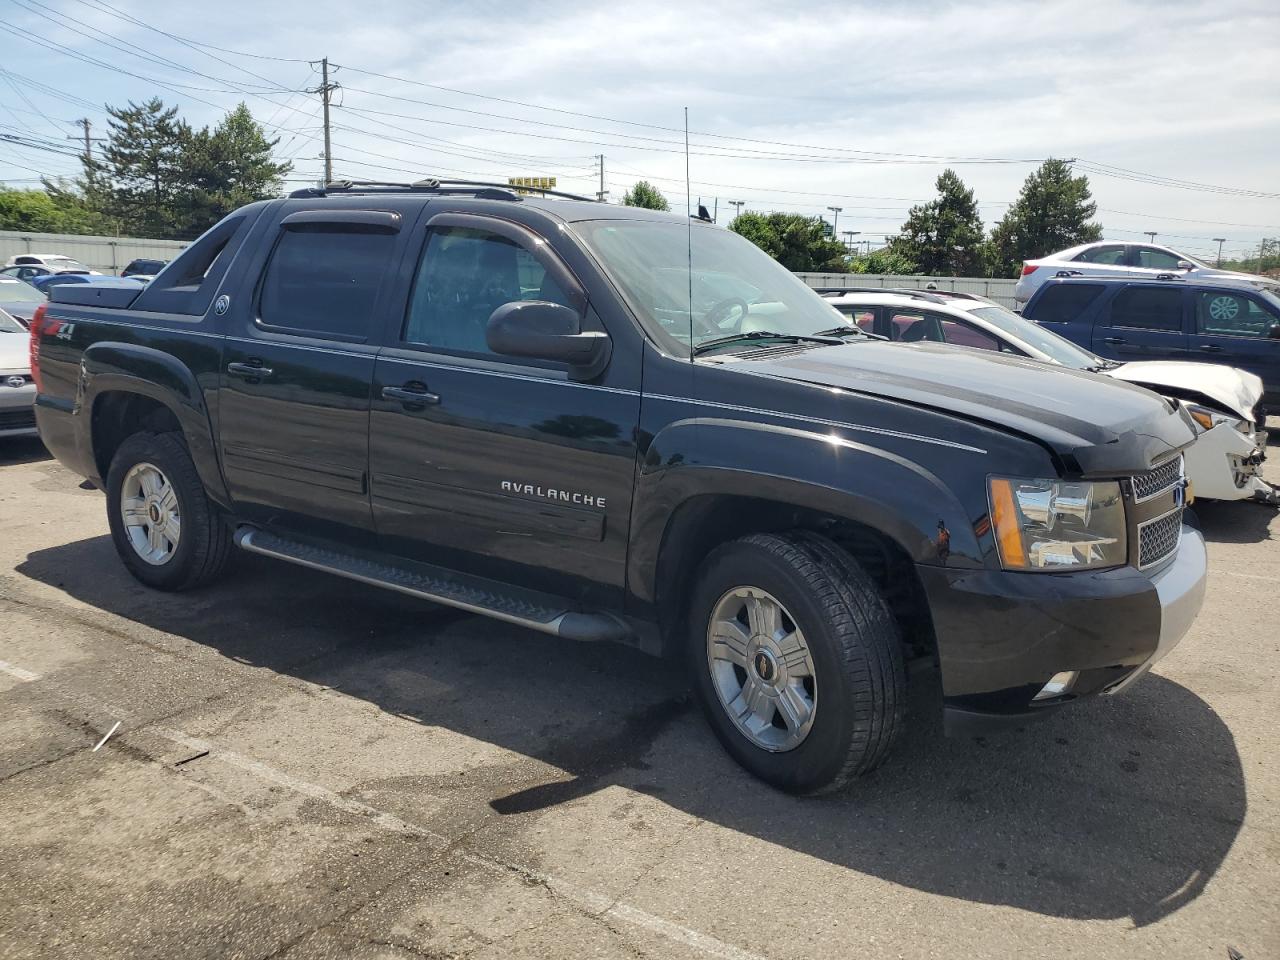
x=1059 y=684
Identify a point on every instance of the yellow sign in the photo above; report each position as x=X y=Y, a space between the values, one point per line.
x=529 y=184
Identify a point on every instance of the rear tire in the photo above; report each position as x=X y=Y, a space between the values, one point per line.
x=836 y=716
x=163 y=525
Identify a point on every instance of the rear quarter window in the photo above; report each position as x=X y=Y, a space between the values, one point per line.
x=1063 y=302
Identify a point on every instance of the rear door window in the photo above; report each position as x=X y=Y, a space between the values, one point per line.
x=1064 y=302
x=864 y=318
x=1112 y=254
x=1148 y=308
x=961 y=334
x=907 y=325
x=323 y=280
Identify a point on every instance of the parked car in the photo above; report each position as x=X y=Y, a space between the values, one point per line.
x=496 y=403
x=53 y=262
x=1216 y=321
x=44 y=284
x=144 y=270
x=17 y=389
x=1114 y=259
x=1224 y=463
x=20 y=299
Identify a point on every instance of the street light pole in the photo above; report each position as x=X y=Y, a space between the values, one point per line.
x=1151 y=234
x=1219 y=241
x=737 y=207
x=835 y=219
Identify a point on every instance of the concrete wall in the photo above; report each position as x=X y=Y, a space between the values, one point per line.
x=1001 y=291
x=108 y=254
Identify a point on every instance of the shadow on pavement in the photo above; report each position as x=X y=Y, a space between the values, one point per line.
x=15 y=450
x=1236 y=521
x=1120 y=807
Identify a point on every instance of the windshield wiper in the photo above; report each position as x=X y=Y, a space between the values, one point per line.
x=761 y=335
x=845 y=331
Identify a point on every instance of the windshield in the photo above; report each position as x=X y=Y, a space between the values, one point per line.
x=737 y=289
x=1033 y=335
x=10 y=325
x=15 y=291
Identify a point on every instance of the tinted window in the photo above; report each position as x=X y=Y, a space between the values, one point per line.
x=1063 y=302
x=1232 y=315
x=1148 y=308
x=465 y=275
x=904 y=325
x=324 y=280
x=1112 y=255
x=863 y=318
x=963 y=335
x=1153 y=259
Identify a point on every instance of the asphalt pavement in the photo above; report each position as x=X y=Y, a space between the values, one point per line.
x=306 y=767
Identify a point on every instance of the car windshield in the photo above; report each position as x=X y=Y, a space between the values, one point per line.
x=15 y=291
x=1037 y=337
x=10 y=325
x=737 y=289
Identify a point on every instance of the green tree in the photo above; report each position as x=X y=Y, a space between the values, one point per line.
x=223 y=169
x=1051 y=213
x=645 y=194
x=55 y=209
x=944 y=236
x=884 y=262
x=798 y=242
x=139 y=181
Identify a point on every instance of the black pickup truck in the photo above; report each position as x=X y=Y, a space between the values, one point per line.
x=607 y=423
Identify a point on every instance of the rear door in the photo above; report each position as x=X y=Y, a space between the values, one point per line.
x=1234 y=327
x=297 y=370
x=1143 y=321
x=1108 y=260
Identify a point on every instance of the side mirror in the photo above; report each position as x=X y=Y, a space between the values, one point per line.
x=1274 y=331
x=1186 y=265
x=547 y=331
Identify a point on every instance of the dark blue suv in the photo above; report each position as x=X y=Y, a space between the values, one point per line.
x=1125 y=319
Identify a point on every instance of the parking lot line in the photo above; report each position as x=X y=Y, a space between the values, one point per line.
x=599 y=905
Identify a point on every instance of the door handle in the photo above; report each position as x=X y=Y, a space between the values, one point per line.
x=412 y=394
x=253 y=370
x=1210 y=348
x=1114 y=340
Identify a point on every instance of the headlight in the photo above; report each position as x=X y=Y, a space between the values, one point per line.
x=1207 y=418
x=1057 y=525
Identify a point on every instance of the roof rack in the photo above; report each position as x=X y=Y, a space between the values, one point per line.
x=478 y=188
x=931 y=296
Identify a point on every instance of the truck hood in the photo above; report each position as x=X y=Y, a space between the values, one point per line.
x=14 y=352
x=1096 y=424
x=1220 y=386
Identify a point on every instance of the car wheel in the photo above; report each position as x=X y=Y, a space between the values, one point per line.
x=1224 y=308
x=797 y=661
x=165 y=529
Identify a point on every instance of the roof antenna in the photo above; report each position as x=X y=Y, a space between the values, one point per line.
x=688 y=209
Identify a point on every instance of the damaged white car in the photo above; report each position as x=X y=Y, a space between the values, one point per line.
x=1224 y=463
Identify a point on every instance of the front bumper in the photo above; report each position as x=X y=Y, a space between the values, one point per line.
x=1225 y=464
x=1002 y=636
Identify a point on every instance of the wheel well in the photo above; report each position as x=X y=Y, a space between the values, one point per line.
x=704 y=523
x=119 y=415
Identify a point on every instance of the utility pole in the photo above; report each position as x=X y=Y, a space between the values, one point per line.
x=835 y=218
x=1151 y=234
x=326 y=91
x=602 y=192
x=737 y=207
x=86 y=123
x=1219 y=241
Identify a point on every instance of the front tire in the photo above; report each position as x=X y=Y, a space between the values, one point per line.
x=165 y=529
x=797 y=661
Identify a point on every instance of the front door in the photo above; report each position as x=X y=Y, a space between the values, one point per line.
x=1234 y=327
x=296 y=373
x=1142 y=322
x=501 y=467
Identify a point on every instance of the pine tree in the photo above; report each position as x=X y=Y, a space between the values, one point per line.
x=1051 y=213
x=944 y=236
x=139 y=179
x=645 y=194
x=226 y=168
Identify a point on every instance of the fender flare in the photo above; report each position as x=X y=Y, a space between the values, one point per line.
x=116 y=367
x=832 y=475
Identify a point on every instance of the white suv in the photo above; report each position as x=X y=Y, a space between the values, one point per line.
x=1112 y=258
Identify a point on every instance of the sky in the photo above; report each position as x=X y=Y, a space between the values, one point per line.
x=1172 y=109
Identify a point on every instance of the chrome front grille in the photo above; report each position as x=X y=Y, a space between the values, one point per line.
x=1159 y=538
x=1157 y=481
